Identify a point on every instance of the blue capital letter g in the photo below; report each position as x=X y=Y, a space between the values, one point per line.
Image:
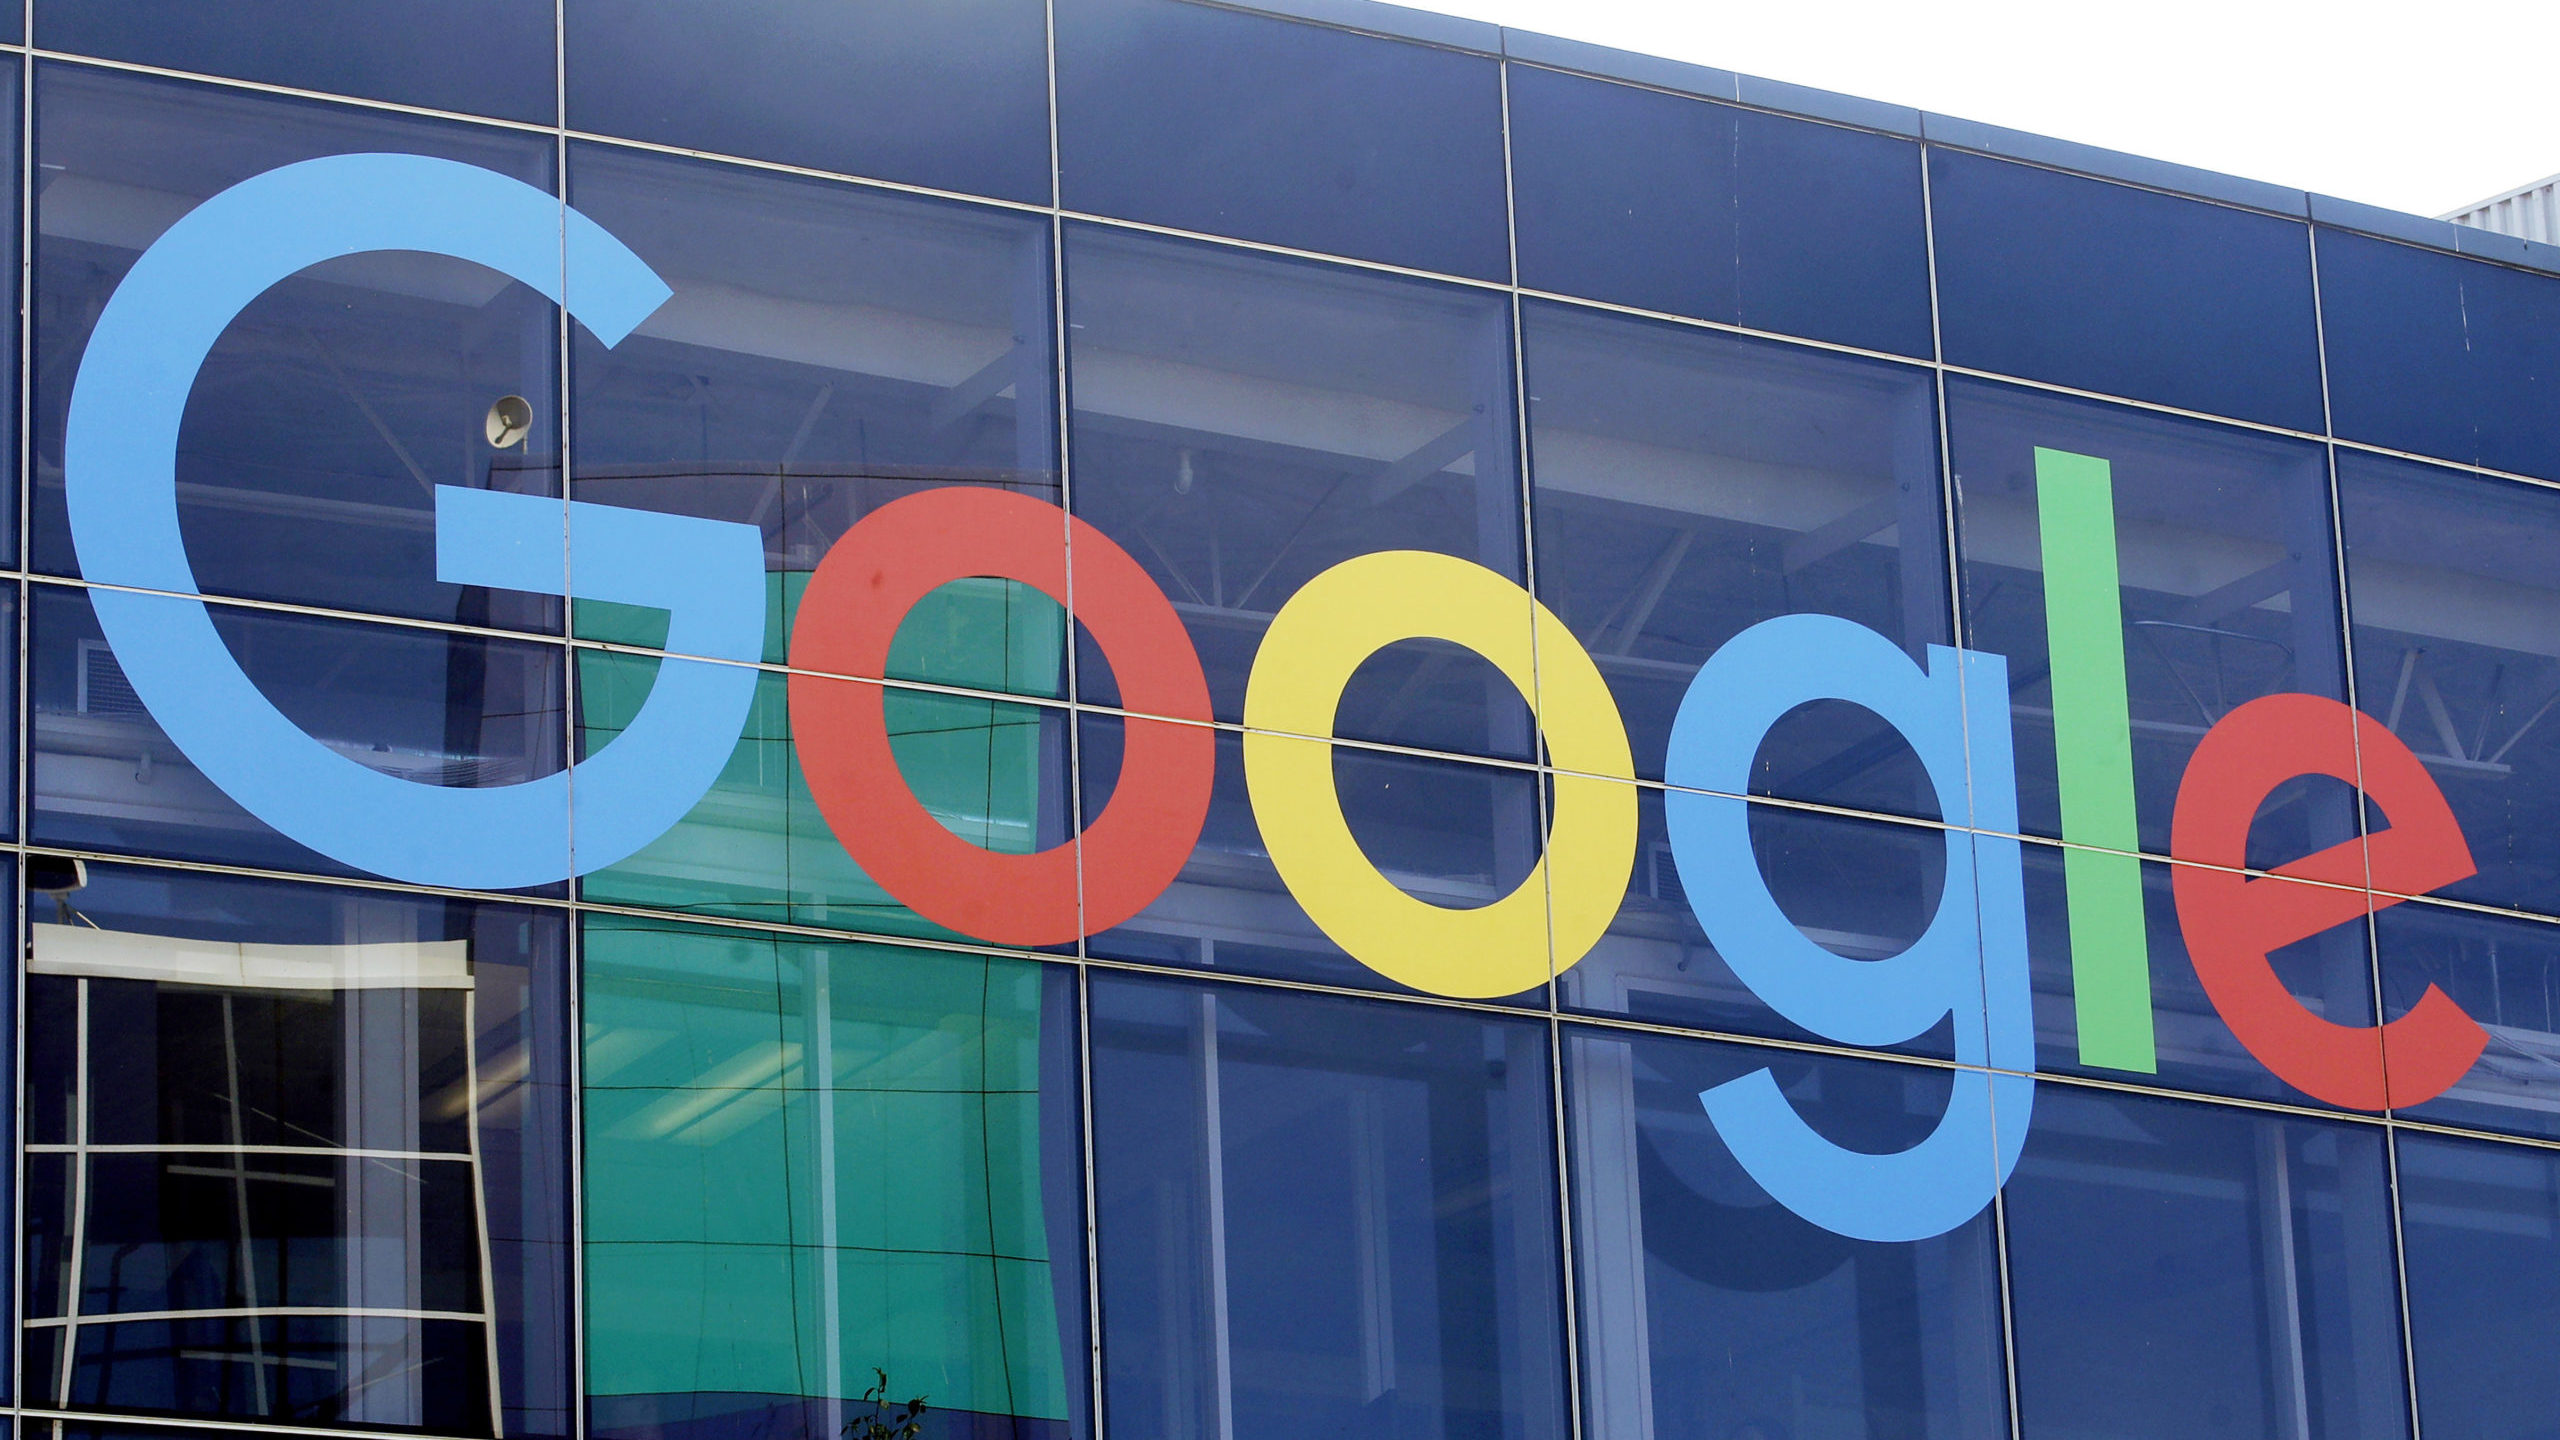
x=120 y=481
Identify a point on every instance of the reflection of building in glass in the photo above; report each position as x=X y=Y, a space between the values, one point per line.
x=271 y=1193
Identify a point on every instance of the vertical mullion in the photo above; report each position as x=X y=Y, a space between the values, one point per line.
x=573 y=939
x=1950 y=533
x=23 y=127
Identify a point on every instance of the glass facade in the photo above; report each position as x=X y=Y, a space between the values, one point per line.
x=1451 y=739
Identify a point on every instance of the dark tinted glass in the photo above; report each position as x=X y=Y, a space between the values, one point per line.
x=1240 y=423
x=2227 y=588
x=2441 y=355
x=2505 y=974
x=2106 y=287
x=1265 y=129
x=10 y=88
x=2178 y=1270
x=482 y=57
x=2481 y=1225
x=837 y=1159
x=1708 y=1310
x=217 y=1052
x=1323 y=1216
x=1445 y=832
x=1688 y=485
x=828 y=350
x=2457 y=647
x=1667 y=203
x=9 y=1014
x=428 y=706
x=2330 y=973
x=953 y=94
x=1865 y=889
x=330 y=411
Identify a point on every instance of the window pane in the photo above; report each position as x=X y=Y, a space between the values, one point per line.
x=332 y=408
x=1689 y=485
x=1444 y=832
x=2505 y=974
x=954 y=94
x=226 y=1048
x=1667 y=203
x=1241 y=423
x=2330 y=974
x=474 y=56
x=2180 y=1270
x=2441 y=355
x=1295 y=134
x=1322 y=1216
x=756 y=847
x=806 y=1163
x=1708 y=1309
x=428 y=706
x=2107 y=287
x=10 y=88
x=2457 y=648
x=827 y=350
x=2480 y=1222
x=2227 y=585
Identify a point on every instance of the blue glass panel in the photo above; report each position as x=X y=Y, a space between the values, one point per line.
x=2505 y=974
x=1861 y=888
x=2226 y=572
x=2456 y=612
x=808 y=1166
x=481 y=57
x=1668 y=203
x=9 y=246
x=1323 y=1216
x=2178 y=1270
x=1242 y=422
x=1688 y=485
x=236 y=1042
x=332 y=408
x=2441 y=355
x=2106 y=287
x=1708 y=1310
x=1446 y=832
x=827 y=350
x=9 y=1012
x=10 y=626
x=1283 y=132
x=954 y=94
x=2330 y=973
x=2480 y=1227
x=430 y=706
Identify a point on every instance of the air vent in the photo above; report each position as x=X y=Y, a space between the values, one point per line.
x=103 y=690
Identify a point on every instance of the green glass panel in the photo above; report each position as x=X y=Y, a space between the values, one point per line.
x=838 y=1143
x=756 y=847
x=701 y=1311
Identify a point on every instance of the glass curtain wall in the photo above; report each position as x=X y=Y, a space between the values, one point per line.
x=725 y=1141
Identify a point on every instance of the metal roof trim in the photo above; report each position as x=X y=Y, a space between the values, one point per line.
x=1706 y=82
x=1603 y=62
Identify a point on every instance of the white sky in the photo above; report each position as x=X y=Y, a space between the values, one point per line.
x=2418 y=106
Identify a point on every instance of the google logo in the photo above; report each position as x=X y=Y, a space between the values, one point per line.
x=1968 y=969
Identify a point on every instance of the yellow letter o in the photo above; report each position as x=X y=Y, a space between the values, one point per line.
x=1333 y=624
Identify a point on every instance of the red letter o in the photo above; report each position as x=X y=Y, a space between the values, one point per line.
x=864 y=588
